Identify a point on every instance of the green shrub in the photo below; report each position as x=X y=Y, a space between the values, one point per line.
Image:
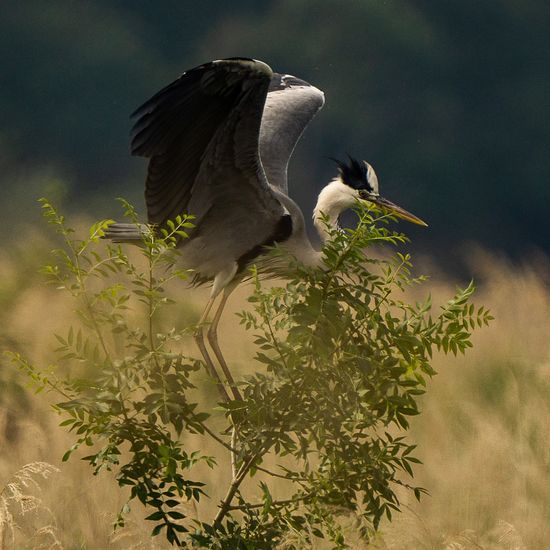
x=340 y=364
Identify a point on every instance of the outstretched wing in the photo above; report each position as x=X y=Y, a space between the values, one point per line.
x=201 y=133
x=290 y=106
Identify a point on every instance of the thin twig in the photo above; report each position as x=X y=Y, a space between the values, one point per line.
x=274 y=474
x=81 y=281
x=226 y=502
x=273 y=503
x=217 y=438
x=233 y=449
x=233 y=452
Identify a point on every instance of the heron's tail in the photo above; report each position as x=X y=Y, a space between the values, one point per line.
x=127 y=232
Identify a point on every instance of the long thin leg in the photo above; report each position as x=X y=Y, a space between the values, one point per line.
x=213 y=339
x=199 y=338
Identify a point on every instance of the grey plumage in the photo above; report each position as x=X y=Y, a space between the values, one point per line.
x=291 y=104
x=219 y=140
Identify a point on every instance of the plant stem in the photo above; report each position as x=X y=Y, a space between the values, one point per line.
x=274 y=503
x=88 y=304
x=233 y=452
x=237 y=480
x=217 y=438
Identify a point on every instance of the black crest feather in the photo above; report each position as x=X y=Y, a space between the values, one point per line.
x=354 y=174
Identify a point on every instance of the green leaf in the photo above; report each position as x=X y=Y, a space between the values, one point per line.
x=155 y=516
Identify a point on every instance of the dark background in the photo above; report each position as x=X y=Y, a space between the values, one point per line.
x=450 y=101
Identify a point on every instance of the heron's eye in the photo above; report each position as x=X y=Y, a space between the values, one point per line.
x=367 y=194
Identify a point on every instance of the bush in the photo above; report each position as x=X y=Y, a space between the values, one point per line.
x=340 y=364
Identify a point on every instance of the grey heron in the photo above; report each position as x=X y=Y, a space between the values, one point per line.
x=219 y=139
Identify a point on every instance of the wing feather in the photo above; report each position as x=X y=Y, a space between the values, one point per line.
x=201 y=132
x=290 y=106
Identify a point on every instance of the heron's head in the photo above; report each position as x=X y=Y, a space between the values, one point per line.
x=362 y=183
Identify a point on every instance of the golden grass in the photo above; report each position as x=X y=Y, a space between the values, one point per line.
x=484 y=435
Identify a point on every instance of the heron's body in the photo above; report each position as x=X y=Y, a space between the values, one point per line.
x=219 y=140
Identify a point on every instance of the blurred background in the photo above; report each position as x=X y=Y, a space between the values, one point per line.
x=450 y=101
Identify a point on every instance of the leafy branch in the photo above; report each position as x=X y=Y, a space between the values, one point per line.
x=341 y=360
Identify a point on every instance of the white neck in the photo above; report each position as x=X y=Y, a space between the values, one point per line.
x=333 y=200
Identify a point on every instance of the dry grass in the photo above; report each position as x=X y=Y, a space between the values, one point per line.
x=20 y=498
x=484 y=436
